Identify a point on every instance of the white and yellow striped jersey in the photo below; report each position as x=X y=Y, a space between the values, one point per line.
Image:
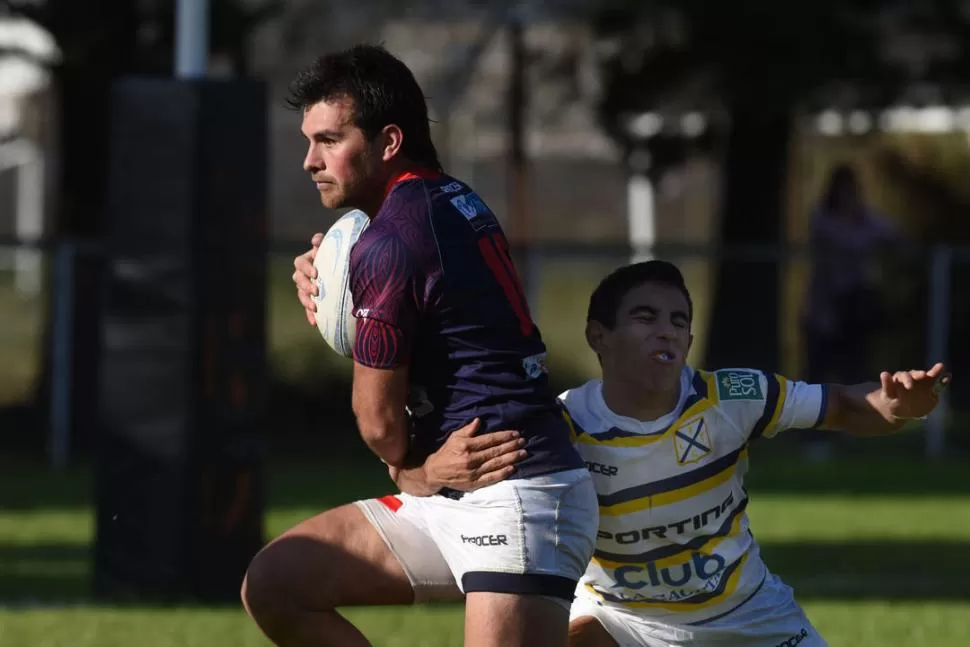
x=674 y=543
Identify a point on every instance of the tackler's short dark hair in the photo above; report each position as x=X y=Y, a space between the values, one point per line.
x=604 y=304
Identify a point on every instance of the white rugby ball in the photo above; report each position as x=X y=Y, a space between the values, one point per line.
x=335 y=305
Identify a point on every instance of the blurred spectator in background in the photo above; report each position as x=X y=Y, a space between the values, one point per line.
x=843 y=309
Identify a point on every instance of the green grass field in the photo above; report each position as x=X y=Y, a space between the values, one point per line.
x=877 y=552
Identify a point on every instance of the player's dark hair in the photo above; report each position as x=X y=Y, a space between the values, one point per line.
x=383 y=89
x=604 y=304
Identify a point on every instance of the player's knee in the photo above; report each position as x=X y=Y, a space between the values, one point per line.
x=263 y=596
x=274 y=585
x=245 y=595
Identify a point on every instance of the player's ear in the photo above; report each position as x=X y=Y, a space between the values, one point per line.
x=595 y=333
x=392 y=139
x=690 y=342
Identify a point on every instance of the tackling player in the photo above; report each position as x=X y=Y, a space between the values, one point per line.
x=675 y=562
x=444 y=338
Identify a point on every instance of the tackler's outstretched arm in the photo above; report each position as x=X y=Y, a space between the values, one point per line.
x=881 y=408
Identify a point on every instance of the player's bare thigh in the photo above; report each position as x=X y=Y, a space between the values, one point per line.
x=334 y=559
x=587 y=631
x=512 y=620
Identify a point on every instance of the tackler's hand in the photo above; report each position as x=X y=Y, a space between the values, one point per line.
x=304 y=276
x=909 y=395
x=467 y=462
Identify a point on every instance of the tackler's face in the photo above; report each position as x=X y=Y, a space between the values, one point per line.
x=651 y=339
x=340 y=159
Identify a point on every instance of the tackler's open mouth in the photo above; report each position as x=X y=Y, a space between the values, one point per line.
x=664 y=356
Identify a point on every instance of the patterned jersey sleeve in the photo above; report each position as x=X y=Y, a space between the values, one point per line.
x=383 y=275
x=762 y=404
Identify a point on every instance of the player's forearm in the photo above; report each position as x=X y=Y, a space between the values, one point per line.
x=389 y=440
x=413 y=480
x=385 y=432
x=859 y=410
x=379 y=399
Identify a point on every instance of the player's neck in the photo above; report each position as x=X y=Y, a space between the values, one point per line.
x=403 y=170
x=631 y=401
x=394 y=174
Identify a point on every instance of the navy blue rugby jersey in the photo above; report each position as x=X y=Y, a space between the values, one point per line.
x=434 y=287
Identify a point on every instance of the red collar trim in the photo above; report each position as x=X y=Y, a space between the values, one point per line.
x=416 y=174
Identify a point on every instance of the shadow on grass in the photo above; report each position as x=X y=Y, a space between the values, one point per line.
x=323 y=479
x=847 y=570
x=27 y=485
x=893 y=466
x=45 y=571
x=873 y=569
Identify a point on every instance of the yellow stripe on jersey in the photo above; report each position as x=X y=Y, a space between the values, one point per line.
x=694 y=603
x=710 y=381
x=674 y=489
x=639 y=440
x=573 y=435
x=703 y=396
x=710 y=543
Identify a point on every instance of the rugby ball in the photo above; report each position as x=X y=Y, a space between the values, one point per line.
x=335 y=305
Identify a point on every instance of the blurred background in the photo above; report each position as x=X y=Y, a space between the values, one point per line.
x=165 y=408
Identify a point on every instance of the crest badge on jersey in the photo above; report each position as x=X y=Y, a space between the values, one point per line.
x=475 y=211
x=739 y=385
x=535 y=366
x=692 y=442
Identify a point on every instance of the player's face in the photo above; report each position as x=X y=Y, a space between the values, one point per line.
x=651 y=339
x=341 y=161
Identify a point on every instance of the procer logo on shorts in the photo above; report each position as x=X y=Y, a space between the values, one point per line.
x=486 y=540
x=600 y=468
x=794 y=640
x=739 y=385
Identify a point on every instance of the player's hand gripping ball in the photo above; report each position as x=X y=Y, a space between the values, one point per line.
x=335 y=306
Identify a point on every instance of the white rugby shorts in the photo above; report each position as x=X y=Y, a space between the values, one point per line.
x=771 y=618
x=526 y=536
